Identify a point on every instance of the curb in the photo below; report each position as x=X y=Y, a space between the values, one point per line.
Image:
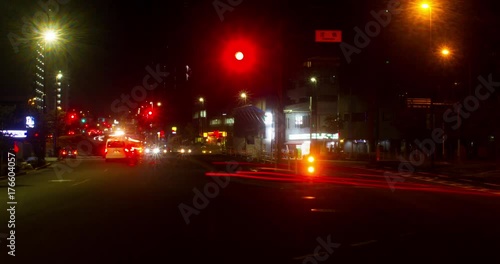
x=28 y=172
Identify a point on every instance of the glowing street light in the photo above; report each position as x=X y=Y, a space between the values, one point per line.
x=445 y=52
x=50 y=36
x=243 y=96
x=427 y=6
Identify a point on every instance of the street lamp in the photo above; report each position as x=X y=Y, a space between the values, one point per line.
x=48 y=36
x=243 y=96
x=445 y=52
x=427 y=6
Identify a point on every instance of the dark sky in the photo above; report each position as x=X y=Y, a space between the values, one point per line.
x=109 y=44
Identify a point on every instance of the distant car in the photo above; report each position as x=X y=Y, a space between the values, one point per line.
x=116 y=149
x=68 y=152
x=122 y=149
x=185 y=150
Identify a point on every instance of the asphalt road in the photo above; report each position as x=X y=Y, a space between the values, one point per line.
x=190 y=211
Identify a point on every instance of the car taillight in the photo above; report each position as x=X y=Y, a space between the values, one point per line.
x=64 y=152
x=74 y=152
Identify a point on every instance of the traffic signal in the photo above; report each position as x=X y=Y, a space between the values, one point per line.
x=310 y=166
x=16 y=147
x=239 y=55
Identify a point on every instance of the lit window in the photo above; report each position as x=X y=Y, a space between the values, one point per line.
x=298 y=120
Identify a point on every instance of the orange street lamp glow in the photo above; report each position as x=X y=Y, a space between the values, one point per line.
x=425 y=6
x=445 y=52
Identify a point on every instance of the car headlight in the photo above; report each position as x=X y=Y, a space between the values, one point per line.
x=148 y=150
x=156 y=150
x=189 y=151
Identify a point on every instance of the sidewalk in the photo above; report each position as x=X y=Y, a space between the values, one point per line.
x=27 y=168
x=481 y=171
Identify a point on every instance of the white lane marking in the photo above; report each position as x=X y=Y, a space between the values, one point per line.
x=320 y=210
x=75 y=184
x=407 y=234
x=305 y=256
x=363 y=243
x=60 y=180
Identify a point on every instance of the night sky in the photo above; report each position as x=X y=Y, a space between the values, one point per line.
x=109 y=44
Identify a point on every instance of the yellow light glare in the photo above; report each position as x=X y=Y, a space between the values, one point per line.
x=445 y=52
x=310 y=159
x=49 y=35
x=425 y=6
x=310 y=169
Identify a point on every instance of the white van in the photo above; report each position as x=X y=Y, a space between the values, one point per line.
x=116 y=149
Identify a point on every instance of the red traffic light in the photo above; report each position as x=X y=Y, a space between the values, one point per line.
x=239 y=55
x=150 y=112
